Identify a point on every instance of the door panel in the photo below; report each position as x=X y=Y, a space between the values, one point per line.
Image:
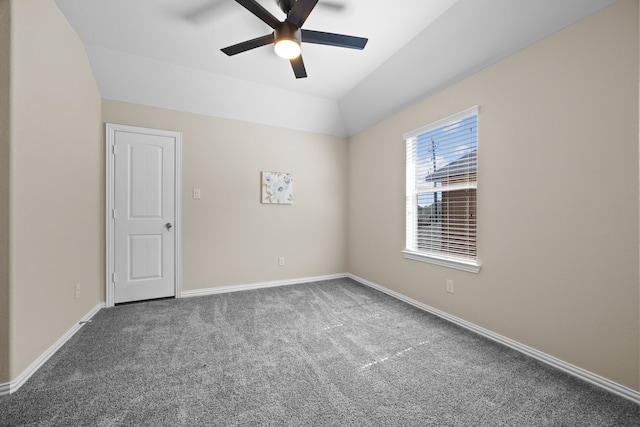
x=145 y=178
x=144 y=201
x=145 y=257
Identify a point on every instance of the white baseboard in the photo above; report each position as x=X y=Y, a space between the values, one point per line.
x=258 y=285
x=13 y=386
x=583 y=374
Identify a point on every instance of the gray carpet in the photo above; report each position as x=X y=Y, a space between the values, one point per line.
x=325 y=353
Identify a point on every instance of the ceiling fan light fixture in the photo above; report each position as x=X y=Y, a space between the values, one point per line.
x=287 y=48
x=287 y=40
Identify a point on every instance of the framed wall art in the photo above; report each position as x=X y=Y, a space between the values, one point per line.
x=277 y=188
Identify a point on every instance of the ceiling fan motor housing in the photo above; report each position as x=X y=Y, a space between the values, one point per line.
x=287 y=31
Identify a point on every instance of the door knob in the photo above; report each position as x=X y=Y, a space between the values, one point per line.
x=168 y=226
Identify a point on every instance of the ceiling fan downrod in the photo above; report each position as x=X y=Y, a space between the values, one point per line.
x=286 y=5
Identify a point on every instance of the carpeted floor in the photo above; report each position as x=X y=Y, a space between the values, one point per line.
x=325 y=353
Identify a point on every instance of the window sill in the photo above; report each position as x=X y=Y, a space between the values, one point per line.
x=463 y=265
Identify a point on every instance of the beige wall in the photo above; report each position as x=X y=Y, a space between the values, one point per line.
x=557 y=198
x=56 y=182
x=5 y=51
x=229 y=237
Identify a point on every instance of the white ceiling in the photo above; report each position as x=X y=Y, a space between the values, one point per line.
x=166 y=53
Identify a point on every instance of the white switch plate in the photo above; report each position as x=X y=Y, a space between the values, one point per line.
x=450 y=286
x=196 y=193
x=281 y=261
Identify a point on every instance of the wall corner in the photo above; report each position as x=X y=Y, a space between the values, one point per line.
x=5 y=101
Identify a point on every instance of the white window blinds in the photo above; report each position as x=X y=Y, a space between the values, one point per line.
x=441 y=191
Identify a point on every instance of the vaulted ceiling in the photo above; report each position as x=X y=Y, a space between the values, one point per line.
x=166 y=53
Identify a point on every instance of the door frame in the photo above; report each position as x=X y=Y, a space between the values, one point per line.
x=111 y=129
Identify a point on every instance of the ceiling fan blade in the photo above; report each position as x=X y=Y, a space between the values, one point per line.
x=262 y=13
x=300 y=12
x=298 y=67
x=248 y=45
x=331 y=39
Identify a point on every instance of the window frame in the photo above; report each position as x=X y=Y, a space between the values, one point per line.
x=411 y=251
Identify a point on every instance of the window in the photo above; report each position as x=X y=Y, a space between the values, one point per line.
x=441 y=195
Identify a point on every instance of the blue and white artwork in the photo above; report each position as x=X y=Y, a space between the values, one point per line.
x=277 y=188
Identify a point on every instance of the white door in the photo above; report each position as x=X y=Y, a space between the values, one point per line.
x=143 y=213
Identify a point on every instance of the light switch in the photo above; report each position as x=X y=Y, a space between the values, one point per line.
x=196 y=193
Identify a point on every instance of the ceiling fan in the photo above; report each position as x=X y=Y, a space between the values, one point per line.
x=288 y=34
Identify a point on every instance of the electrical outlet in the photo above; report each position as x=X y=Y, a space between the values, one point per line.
x=450 y=286
x=196 y=193
x=77 y=290
x=281 y=261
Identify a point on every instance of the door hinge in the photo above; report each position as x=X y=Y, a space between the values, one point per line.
x=115 y=150
x=113 y=277
x=113 y=214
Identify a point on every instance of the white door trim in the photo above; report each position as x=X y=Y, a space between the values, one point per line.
x=111 y=130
